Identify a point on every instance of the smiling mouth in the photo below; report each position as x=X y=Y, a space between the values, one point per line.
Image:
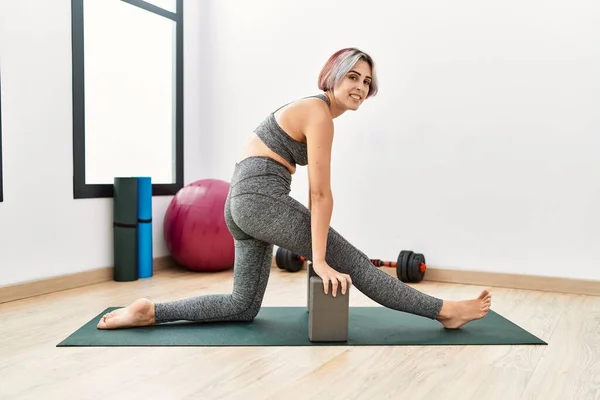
x=355 y=96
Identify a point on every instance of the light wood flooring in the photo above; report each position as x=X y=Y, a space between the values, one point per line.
x=32 y=367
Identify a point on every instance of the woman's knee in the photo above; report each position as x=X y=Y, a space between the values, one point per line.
x=342 y=254
x=250 y=314
x=246 y=311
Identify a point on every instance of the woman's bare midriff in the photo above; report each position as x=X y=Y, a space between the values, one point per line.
x=256 y=147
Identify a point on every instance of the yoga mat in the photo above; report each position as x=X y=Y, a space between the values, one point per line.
x=144 y=232
x=288 y=326
x=125 y=220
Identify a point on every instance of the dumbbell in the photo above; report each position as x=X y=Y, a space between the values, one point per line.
x=410 y=266
x=288 y=261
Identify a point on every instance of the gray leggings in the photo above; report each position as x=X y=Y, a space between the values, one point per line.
x=260 y=214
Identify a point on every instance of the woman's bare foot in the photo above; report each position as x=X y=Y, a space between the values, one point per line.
x=455 y=314
x=138 y=313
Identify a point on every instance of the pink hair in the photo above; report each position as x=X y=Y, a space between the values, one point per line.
x=338 y=65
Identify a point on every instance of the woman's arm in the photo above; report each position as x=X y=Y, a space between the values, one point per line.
x=309 y=193
x=319 y=137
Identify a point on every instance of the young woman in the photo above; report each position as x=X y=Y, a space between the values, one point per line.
x=260 y=214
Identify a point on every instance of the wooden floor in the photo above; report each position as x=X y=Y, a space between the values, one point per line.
x=32 y=367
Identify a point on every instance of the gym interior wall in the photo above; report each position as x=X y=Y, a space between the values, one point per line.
x=127 y=115
x=1 y=172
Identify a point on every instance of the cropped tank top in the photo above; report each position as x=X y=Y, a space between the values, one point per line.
x=276 y=139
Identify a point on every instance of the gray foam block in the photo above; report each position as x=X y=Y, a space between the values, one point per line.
x=327 y=315
x=309 y=274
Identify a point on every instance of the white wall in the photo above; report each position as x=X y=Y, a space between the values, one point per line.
x=43 y=231
x=481 y=143
x=481 y=149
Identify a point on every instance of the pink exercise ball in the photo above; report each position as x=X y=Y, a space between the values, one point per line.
x=194 y=227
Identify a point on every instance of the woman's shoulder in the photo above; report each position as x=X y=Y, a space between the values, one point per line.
x=317 y=101
x=315 y=114
x=303 y=114
x=306 y=107
x=316 y=106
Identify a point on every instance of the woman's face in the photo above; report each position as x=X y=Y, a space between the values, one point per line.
x=353 y=89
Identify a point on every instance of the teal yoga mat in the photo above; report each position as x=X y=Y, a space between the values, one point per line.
x=132 y=228
x=288 y=326
x=125 y=220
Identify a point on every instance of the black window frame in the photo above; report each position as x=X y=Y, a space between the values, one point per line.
x=81 y=189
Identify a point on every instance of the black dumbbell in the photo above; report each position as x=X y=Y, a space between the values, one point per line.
x=288 y=261
x=410 y=266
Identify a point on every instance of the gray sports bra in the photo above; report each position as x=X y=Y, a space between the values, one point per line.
x=280 y=142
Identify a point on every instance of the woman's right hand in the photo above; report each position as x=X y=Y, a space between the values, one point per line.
x=328 y=274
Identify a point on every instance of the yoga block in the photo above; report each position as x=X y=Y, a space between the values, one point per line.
x=327 y=315
x=309 y=274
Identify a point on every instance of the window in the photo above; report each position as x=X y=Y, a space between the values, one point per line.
x=127 y=94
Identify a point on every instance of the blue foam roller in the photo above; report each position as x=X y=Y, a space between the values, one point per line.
x=144 y=253
x=144 y=198
x=145 y=260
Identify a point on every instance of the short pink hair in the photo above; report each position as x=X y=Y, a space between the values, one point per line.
x=338 y=65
